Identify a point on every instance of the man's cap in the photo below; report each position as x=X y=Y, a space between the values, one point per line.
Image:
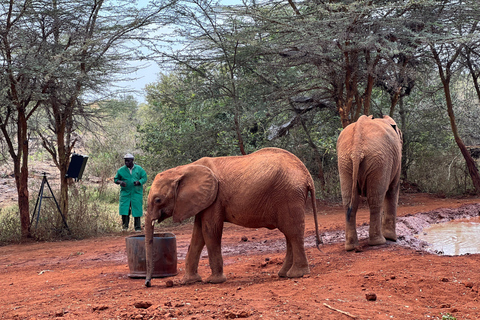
x=129 y=156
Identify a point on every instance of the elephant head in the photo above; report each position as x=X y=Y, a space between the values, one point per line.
x=180 y=193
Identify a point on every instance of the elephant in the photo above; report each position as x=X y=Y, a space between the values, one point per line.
x=267 y=188
x=369 y=155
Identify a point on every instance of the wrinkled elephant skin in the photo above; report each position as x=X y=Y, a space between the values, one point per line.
x=268 y=188
x=369 y=159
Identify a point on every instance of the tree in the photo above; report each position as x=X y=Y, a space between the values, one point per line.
x=87 y=38
x=447 y=38
x=343 y=49
x=215 y=47
x=56 y=55
x=23 y=89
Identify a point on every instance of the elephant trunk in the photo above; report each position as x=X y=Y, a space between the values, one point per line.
x=149 y=251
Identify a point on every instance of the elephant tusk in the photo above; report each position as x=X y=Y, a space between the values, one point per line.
x=153 y=223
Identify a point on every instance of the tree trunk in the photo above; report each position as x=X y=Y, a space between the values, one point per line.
x=445 y=76
x=238 y=130
x=239 y=134
x=403 y=125
x=62 y=122
x=473 y=72
x=318 y=158
x=63 y=162
x=21 y=175
x=471 y=165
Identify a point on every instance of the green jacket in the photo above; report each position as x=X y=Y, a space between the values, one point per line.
x=131 y=194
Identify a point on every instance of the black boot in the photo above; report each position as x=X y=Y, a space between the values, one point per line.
x=137 y=224
x=125 y=222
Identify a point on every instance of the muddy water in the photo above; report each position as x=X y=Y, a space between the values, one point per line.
x=456 y=237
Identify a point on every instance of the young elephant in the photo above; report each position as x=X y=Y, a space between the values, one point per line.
x=369 y=158
x=268 y=188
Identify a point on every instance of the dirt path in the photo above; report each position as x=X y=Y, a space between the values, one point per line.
x=88 y=279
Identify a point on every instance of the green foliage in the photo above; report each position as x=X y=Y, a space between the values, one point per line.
x=114 y=137
x=181 y=125
x=448 y=316
x=9 y=225
x=91 y=213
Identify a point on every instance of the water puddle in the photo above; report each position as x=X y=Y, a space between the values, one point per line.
x=456 y=237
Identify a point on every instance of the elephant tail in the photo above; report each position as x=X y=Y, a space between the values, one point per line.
x=319 y=241
x=357 y=158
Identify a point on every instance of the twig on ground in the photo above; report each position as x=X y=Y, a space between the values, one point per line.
x=342 y=312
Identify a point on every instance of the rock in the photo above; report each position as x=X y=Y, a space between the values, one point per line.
x=169 y=283
x=100 y=308
x=142 y=305
x=59 y=314
x=371 y=296
x=235 y=314
x=244 y=239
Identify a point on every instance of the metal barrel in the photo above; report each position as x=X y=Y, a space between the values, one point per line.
x=164 y=255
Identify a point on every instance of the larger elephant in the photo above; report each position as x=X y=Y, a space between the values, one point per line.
x=369 y=159
x=268 y=188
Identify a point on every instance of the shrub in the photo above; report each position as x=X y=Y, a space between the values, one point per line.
x=9 y=225
x=91 y=213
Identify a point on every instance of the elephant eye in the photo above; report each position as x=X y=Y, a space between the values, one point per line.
x=158 y=200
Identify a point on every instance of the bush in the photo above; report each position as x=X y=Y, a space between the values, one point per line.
x=450 y=178
x=92 y=212
x=9 y=225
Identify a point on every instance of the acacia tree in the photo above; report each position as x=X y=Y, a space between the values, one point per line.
x=57 y=55
x=90 y=41
x=447 y=39
x=22 y=92
x=343 y=49
x=212 y=44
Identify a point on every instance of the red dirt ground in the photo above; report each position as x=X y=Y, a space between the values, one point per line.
x=88 y=279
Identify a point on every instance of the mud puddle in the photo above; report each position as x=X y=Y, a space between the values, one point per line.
x=409 y=229
x=453 y=238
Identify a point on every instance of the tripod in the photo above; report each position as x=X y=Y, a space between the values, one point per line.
x=39 y=202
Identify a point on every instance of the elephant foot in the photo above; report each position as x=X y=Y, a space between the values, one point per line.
x=390 y=235
x=284 y=270
x=351 y=246
x=217 y=278
x=187 y=279
x=377 y=241
x=298 y=272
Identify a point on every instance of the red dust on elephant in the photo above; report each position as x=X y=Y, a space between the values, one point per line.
x=369 y=159
x=268 y=188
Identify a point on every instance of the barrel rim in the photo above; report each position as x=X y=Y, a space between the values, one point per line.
x=163 y=235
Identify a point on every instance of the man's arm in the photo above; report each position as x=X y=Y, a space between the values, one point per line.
x=143 y=178
x=118 y=180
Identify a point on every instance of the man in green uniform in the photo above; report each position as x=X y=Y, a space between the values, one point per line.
x=131 y=178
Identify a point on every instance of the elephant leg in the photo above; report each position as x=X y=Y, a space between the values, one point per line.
x=296 y=263
x=375 y=236
x=351 y=237
x=288 y=262
x=212 y=233
x=300 y=264
x=390 y=214
x=193 y=255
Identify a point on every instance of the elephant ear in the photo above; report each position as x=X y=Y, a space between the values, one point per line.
x=392 y=123
x=196 y=189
